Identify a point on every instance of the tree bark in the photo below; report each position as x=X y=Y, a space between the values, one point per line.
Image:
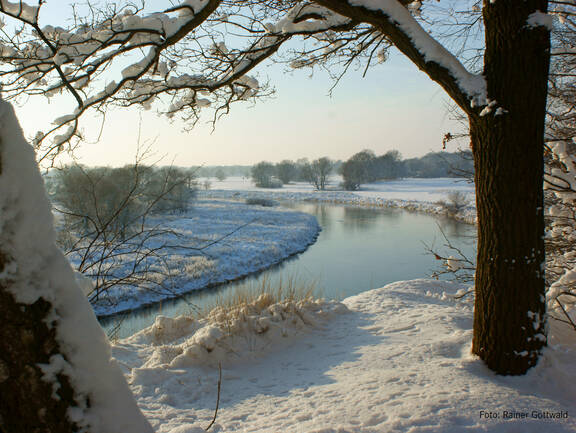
x=28 y=403
x=508 y=144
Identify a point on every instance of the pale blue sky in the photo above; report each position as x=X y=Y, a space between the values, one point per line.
x=394 y=107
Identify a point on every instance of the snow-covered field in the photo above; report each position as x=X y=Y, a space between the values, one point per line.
x=395 y=359
x=249 y=238
x=412 y=189
x=411 y=194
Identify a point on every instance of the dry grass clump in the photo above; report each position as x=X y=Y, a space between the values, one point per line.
x=256 y=308
x=238 y=326
x=262 y=296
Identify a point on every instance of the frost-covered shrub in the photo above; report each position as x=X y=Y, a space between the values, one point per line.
x=169 y=189
x=242 y=327
x=263 y=175
x=98 y=199
x=258 y=201
x=286 y=171
x=456 y=202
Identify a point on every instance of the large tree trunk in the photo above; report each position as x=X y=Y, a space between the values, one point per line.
x=56 y=370
x=28 y=403
x=508 y=144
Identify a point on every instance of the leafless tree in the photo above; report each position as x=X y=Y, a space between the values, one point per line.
x=106 y=226
x=317 y=172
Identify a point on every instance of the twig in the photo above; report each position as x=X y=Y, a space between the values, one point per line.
x=217 y=397
x=203 y=247
x=566 y=313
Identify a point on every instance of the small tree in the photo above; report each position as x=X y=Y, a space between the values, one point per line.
x=317 y=172
x=359 y=169
x=286 y=171
x=263 y=175
x=169 y=189
x=220 y=174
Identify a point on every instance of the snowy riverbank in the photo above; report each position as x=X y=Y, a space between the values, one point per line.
x=417 y=195
x=396 y=359
x=249 y=238
x=266 y=236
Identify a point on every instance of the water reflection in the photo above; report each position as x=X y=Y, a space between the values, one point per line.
x=320 y=211
x=361 y=219
x=357 y=250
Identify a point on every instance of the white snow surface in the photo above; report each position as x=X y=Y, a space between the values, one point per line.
x=394 y=359
x=37 y=269
x=249 y=238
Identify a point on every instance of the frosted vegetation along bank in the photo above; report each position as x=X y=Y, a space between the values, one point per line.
x=138 y=234
x=421 y=195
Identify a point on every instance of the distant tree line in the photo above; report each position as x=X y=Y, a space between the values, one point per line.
x=221 y=172
x=363 y=167
x=269 y=175
x=366 y=167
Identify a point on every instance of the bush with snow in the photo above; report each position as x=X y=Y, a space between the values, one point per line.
x=456 y=202
x=233 y=332
x=561 y=233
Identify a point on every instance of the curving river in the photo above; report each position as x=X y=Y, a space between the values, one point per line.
x=358 y=249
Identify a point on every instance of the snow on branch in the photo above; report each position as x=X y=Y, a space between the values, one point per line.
x=395 y=20
x=124 y=55
x=50 y=60
x=20 y=10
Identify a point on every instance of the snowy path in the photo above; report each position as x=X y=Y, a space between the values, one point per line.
x=398 y=361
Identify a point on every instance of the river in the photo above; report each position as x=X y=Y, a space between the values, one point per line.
x=358 y=249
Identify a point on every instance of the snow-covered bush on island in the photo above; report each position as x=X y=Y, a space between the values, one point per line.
x=264 y=175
